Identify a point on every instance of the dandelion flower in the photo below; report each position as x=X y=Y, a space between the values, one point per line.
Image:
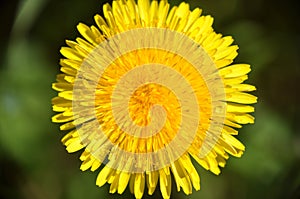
x=146 y=91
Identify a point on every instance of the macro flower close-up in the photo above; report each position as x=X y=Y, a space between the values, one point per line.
x=147 y=89
x=149 y=99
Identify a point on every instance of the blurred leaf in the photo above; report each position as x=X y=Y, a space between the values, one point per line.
x=220 y=10
x=82 y=185
x=269 y=151
x=26 y=112
x=256 y=46
x=28 y=13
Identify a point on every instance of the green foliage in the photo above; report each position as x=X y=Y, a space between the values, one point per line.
x=34 y=163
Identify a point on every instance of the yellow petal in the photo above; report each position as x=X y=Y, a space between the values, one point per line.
x=60 y=118
x=67 y=126
x=96 y=164
x=229 y=130
x=226 y=41
x=103 y=176
x=170 y=17
x=151 y=179
x=191 y=171
x=68 y=112
x=194 y=15
x=139 y=185
x=71 y=44
x=68 y=70
x=181 y=177
x=119 y=17
x=227 y=147
x=239 y=108
x=84 y=155
x=201 y=161
x=65 y=78
x=235 y=70
x=82 y=51
x=70 y=63
x=144 y=6
x=75 y=146
x=240 y=97
x=233 y=141
x=86 y=164
x=165 y=184
x=183 y=10
x=153 y=13
x=123 y=181
x=61 y=78
x=223 y=62
x=86 y=32
x=243 y=87
x=66 y=95
x=213 y=164
x=182 y=14
x=240 y=118
x=131 y=5
x=112 y=176
x=162 y=13
x=220 y=152
x=131 y=183
x=62 y=86
x=206 y=25
x=99 y=21
x=212 y=41
x=68 y=140
x=60 y=101
x=96 y=32
x=227 y=53
x=84 y=44
x=221 y=161
x=71 y=53
x=69 y=135
x=230 y=123
x=114 y=184
x=107 y=11
x=103 y=25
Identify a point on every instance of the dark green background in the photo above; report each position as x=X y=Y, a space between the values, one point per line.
x=35 y=165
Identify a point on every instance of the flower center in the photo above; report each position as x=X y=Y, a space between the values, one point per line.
x=147 y=96
x=144 y=98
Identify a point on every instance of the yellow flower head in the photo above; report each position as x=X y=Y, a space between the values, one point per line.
x=147 y=90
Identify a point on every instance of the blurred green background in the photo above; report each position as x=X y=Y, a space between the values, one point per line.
x=35 y=165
